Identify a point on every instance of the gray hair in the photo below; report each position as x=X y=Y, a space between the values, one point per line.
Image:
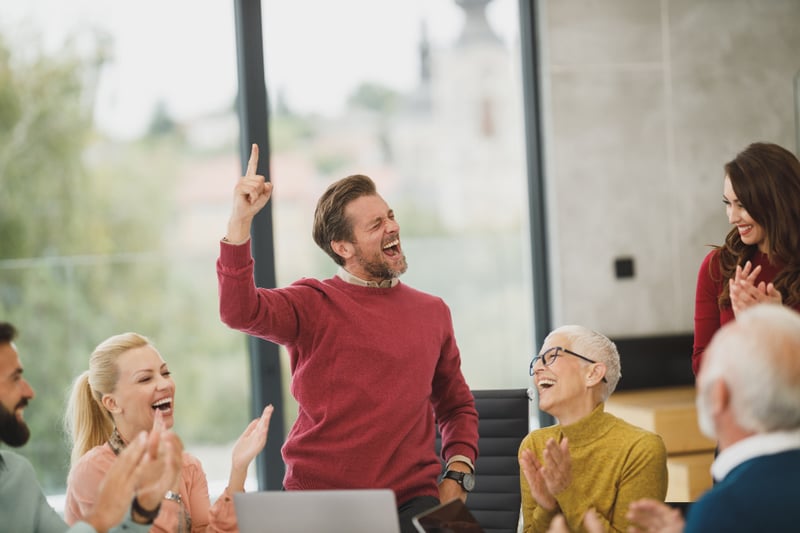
x=758 y=357
x=596 y=346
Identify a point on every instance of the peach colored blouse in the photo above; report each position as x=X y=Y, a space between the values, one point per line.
x=85 y=477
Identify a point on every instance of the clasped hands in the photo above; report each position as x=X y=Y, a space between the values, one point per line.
x=745 y=292
x=548 y=480
x=146 y=469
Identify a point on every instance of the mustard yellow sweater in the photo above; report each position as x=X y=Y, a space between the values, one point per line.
x=613 y=464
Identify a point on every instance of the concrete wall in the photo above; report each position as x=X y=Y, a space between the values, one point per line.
x=644 y=101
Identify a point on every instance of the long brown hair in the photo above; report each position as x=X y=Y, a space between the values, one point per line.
x=766 y=180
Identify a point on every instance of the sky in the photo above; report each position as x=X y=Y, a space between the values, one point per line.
x=182 y=52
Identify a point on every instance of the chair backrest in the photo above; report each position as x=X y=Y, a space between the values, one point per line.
x=503 y=422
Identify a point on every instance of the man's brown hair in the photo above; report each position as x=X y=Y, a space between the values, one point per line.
x=330 y=222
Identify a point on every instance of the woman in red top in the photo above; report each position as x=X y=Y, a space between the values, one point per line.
x=760 y=259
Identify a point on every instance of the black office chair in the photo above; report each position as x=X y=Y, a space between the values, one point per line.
x=503 y=423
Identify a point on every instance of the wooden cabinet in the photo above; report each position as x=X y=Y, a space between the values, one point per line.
x=671 y=413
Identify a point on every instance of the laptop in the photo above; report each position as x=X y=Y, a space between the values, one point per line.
x=449 y=517
x=328 y=511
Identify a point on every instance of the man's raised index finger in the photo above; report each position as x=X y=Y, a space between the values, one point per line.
x=252 y=163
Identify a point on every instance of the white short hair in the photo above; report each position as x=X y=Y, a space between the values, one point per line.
x=597 y=347
x=758 y=357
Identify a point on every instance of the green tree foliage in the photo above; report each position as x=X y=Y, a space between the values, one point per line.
x=161 y=124
x=84 y=233
x=288 y=131
x=65 y=231
x=44 y=125
x=374 y=97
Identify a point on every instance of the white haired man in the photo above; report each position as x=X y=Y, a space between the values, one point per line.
x=748 y=399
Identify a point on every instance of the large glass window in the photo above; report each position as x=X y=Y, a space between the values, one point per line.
x=425 y=97
x=118 y=154
x=119 y=151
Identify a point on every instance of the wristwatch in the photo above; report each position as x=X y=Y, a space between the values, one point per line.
x=467 y=481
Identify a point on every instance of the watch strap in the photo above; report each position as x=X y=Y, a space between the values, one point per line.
x=465 y=479
x=454 y=475
x=149 y=516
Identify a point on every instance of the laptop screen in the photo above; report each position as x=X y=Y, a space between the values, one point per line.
x=331 y=511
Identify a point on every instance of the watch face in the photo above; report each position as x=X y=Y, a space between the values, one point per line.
x=468 y=482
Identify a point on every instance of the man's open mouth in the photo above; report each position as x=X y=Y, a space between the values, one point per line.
x=392 y=248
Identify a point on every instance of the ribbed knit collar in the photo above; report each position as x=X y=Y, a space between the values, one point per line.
x=589 y=428
x=349 y=278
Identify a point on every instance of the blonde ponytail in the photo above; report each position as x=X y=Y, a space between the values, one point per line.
x=87 y=422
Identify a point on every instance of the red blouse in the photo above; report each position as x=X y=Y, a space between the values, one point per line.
x=708 y=317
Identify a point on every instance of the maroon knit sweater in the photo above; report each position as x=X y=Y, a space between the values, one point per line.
x=708 y=317
x=372 y=368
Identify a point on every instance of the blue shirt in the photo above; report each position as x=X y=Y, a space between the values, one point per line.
x=24 y=508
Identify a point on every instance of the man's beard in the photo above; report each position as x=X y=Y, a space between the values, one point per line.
x=379 y=267
x=13 y=431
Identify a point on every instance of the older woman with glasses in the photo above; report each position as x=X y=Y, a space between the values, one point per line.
x=590 y=459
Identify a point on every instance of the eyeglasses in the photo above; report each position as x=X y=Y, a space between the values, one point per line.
x=549 y=357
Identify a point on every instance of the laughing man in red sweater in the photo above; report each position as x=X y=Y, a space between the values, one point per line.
x=374 y=362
